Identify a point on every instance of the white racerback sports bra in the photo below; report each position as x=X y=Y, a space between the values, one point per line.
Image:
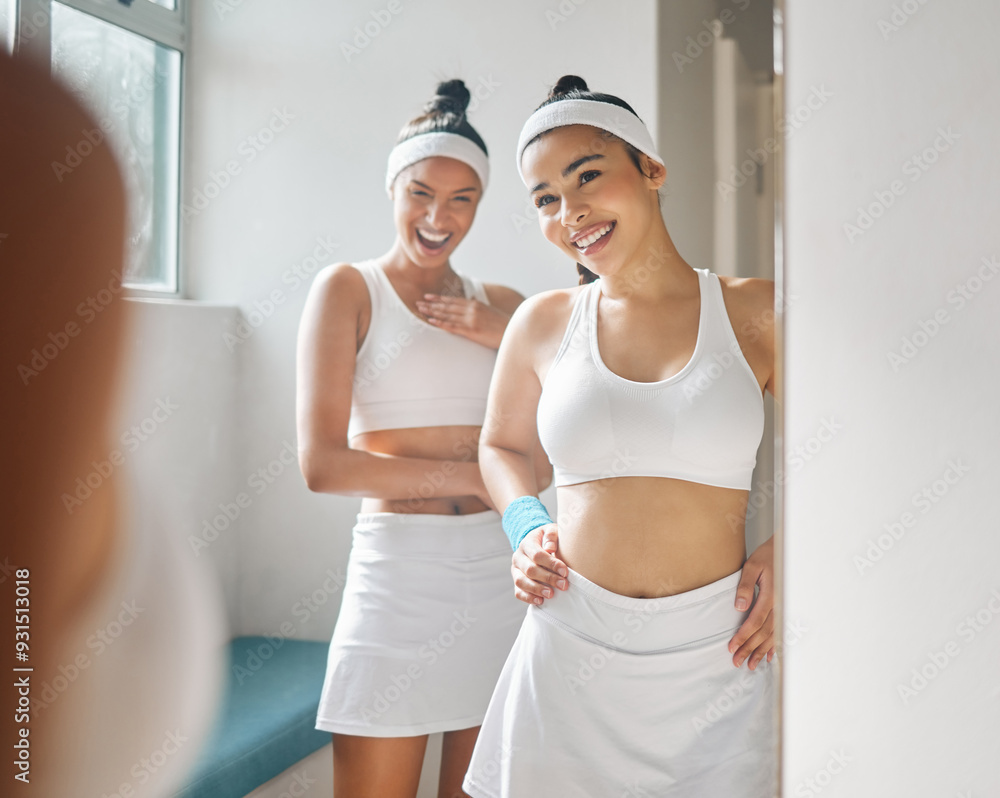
x=703 y=424
x=412 y=374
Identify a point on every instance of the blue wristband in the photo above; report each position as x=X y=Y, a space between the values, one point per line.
x=521 y=516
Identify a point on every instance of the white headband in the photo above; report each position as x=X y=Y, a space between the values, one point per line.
x=428 y=145
x=606 y=116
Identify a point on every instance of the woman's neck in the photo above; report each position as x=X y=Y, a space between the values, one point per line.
x=655 y=269
x=428 y=279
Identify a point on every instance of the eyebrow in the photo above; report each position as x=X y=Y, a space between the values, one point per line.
x=460 y=191
x=570 y=169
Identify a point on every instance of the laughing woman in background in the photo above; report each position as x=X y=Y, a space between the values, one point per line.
x=395 y=356
x=622 y=680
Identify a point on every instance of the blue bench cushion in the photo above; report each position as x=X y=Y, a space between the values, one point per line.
x=267 y=720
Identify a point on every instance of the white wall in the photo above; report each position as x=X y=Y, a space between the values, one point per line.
x=321 y=179
x=686 y=124
x=860 y=630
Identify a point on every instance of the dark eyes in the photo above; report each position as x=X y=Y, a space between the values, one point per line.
x=585 y=177
x=419 y=193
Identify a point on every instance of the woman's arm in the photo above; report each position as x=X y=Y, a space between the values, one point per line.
x=509 y=447
x=325 y=362
x=750 y=303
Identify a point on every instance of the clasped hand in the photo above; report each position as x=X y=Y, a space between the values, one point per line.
x=469 y=318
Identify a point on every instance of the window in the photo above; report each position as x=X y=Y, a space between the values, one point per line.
x=123 y=59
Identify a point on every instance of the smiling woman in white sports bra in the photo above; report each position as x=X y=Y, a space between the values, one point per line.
x=395 y=357
x=629 y=676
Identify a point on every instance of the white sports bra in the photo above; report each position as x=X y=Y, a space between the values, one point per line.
x=703 y=424
x=412 y=374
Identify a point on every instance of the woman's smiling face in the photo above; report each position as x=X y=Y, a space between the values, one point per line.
x=434 y=204
x=593 y=203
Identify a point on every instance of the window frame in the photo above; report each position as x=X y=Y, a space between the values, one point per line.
x=32 y=39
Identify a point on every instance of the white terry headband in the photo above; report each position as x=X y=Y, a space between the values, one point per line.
x=427 y=145
x=606 y=116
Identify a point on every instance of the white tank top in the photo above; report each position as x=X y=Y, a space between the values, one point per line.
x=412 y=374
x=703 y=424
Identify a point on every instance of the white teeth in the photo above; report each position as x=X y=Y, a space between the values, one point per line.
x=583 y=243
x=437 y=238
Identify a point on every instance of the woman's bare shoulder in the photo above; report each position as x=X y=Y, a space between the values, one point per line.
x=340 y=285
x=749 y=300
x=752 y=292
x=545 y=314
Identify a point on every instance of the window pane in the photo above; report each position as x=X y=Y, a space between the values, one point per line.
x=132 y=87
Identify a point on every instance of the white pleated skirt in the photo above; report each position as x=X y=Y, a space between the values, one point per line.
x=612 y=696
x=427 y=620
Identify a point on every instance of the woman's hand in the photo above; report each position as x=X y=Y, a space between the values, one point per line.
x=484 y=324
x=536 y=570
x=755 y=638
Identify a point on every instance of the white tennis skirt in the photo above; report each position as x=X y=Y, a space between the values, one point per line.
x=618 y=697
x=427 y=619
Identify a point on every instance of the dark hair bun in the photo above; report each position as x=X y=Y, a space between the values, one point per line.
x=567 y=84
x=451 y=97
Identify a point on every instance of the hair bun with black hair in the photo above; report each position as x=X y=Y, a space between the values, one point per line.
x=567 y=84
x=452 y=97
